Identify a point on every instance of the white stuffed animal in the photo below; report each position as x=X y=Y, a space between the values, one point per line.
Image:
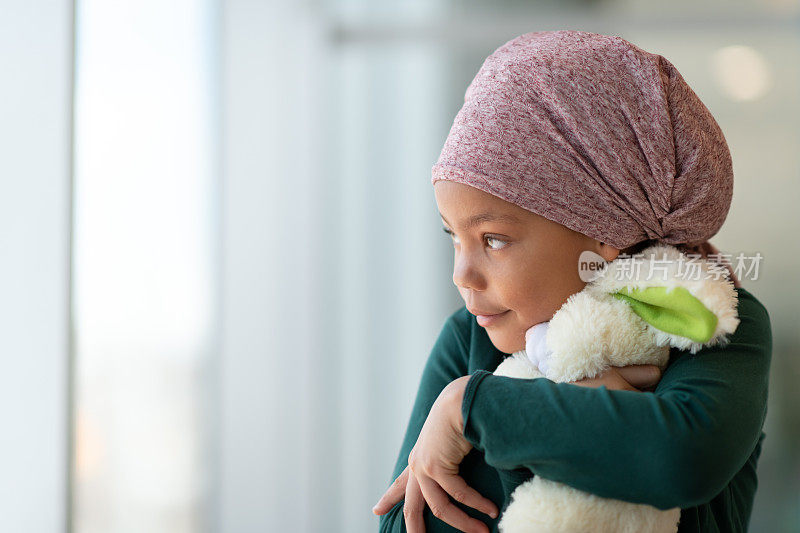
x=632 y=312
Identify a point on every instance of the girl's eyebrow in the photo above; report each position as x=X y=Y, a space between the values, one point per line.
x=476 y=220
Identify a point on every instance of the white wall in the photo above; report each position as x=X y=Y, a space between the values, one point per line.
x=266 y=281
x=35 y=161
x=335 y=269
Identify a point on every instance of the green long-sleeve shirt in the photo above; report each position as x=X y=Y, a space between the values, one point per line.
x=693 y=443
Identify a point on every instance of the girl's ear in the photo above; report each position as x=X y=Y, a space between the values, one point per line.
x=606 y=251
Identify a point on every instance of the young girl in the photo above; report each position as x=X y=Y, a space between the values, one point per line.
x=571 y=141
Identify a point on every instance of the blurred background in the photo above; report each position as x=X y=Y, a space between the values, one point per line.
x=222 y=264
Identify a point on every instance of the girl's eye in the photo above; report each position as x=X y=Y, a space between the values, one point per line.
x=452 y=235
x=494 y=244
x=492 y=239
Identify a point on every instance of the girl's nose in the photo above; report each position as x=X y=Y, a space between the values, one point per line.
x=466 y=275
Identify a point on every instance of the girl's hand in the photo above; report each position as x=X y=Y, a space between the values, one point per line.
x=432 y=471
x=632 y=377
x=441 y=446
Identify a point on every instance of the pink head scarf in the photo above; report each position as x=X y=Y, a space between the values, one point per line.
x=596 y=134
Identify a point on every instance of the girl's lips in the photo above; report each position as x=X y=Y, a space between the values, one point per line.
x=490 y=320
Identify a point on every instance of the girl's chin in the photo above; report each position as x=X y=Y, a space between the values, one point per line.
x=507 y=343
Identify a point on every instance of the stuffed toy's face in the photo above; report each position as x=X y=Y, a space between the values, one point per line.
x=512 y=262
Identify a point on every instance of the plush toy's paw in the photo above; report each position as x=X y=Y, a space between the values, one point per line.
x=517 y=365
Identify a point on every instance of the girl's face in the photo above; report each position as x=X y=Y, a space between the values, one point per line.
x=510 y=262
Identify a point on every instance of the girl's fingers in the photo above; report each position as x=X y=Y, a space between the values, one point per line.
x=414 y=506
x=641 y=376
x=393 y=494
x=460 y=491
x=443 y=509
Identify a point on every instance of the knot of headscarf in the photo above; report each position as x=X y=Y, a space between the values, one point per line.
x=596 y=134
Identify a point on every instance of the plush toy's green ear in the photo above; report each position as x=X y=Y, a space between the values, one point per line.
x=676 y=311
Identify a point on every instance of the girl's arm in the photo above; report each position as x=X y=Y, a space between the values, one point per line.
x=730 y=510
x=679 y=446
x=447 y=362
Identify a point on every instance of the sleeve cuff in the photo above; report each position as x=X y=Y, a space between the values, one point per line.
x=466 y=404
